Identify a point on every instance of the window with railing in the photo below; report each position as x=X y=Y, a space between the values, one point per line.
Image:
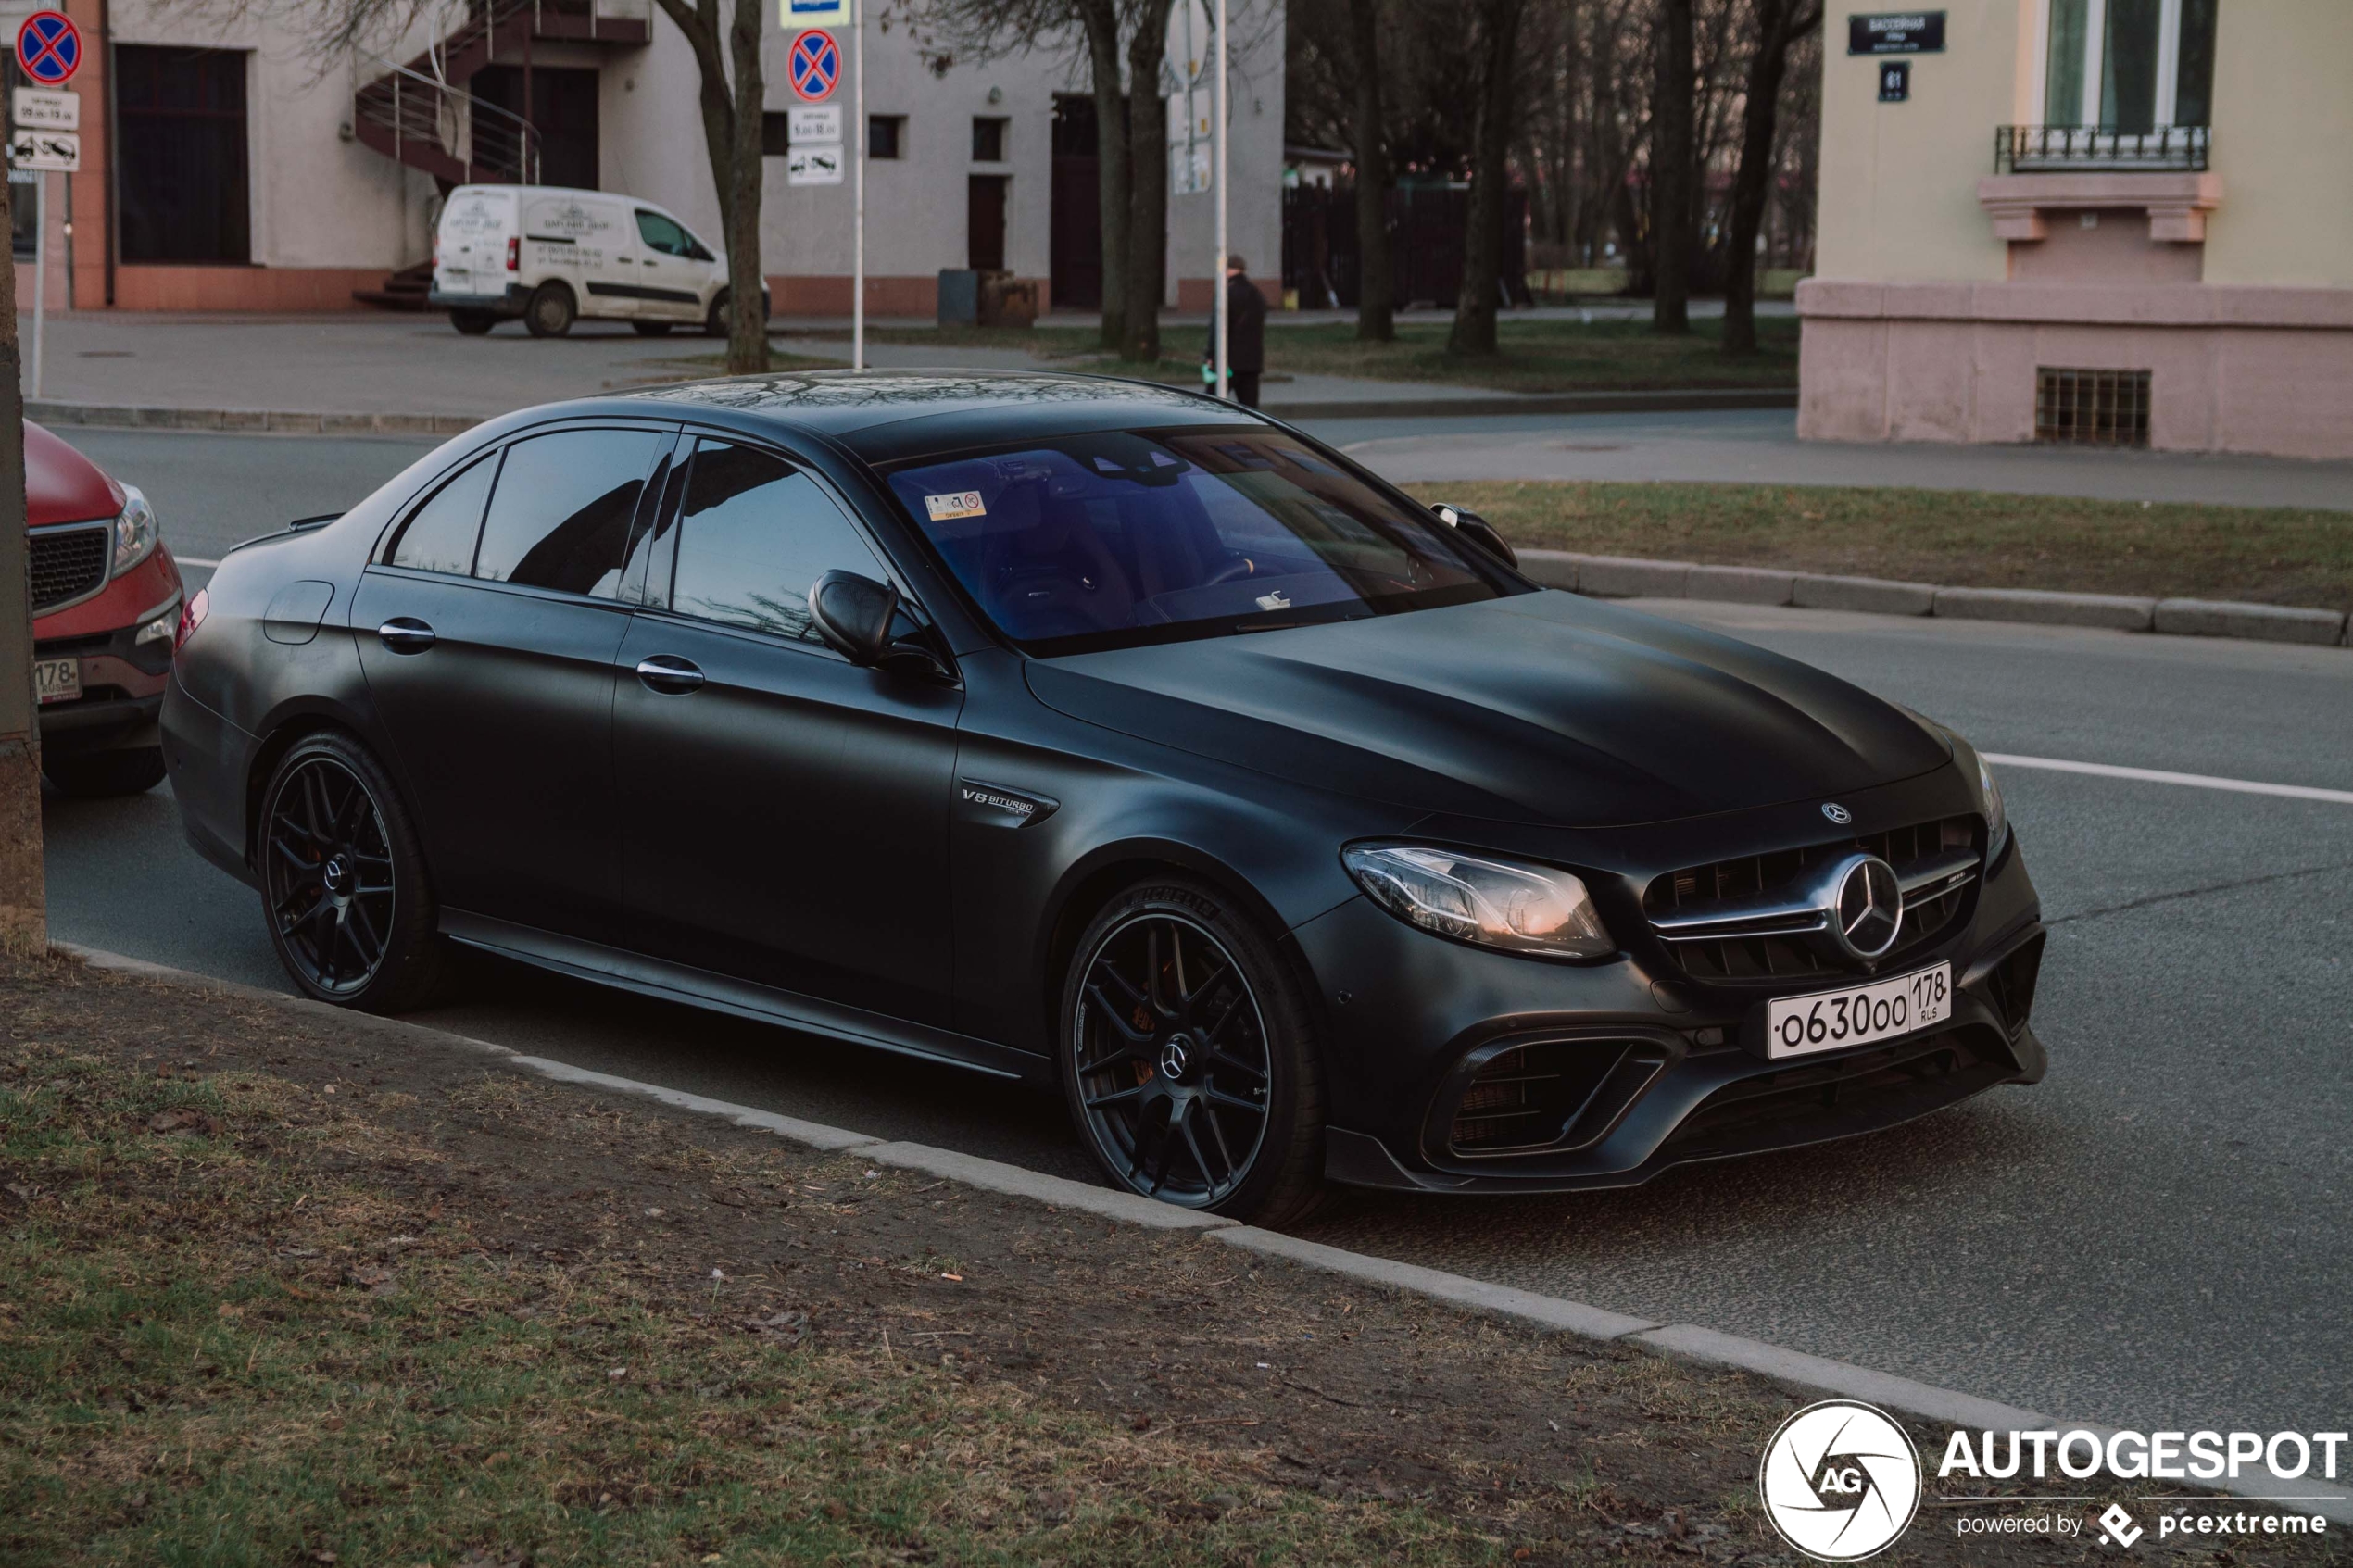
x=2129 y=67
x=2033 y=150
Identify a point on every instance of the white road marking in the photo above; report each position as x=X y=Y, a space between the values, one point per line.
x=2193 y=781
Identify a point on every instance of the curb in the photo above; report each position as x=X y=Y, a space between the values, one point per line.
x=1792 y=1370
x=1633 y=577
x=255 y=422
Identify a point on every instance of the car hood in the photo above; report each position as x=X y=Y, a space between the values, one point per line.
x=1541 y=708
x=61 y=485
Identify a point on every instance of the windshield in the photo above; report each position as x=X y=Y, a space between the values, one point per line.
x=1088 y=542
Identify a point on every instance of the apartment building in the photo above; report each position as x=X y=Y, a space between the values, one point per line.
x=2123 y=221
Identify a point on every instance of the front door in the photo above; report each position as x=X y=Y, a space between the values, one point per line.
x=784 y=812
x=673 y=268
x=984 y=222
x=487 y=633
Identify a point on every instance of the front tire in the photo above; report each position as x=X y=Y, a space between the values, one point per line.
x=99 y=775
x=344 y=887
x=550 y=311
x=1189 y=1056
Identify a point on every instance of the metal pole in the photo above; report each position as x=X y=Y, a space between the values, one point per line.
x=40 y=268
x=1224 y=322
x=858 y=195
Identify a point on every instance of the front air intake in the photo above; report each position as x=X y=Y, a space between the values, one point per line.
x=1526 y=1097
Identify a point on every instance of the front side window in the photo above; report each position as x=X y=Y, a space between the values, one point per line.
x=560 y=515
x=668 y=236
x=2129 y=65
x=754 y=535
x=440 y=533
x=1118 y=539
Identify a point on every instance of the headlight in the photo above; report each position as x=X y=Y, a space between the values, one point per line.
x=164 y=628
x=134 y=532
x=1502 y=904
x=1998 y=816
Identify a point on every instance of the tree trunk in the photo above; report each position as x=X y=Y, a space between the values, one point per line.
x=747 y=288
x=1102 y=20
x=1672 y=175
x=1146 y=282
x=1777 y=29
x=1474 y=331
x=1376 y=268
x=23 y=921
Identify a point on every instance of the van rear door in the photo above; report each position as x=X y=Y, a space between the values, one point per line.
x=470 y=248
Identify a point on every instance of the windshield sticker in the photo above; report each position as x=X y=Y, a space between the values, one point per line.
x=956 y=503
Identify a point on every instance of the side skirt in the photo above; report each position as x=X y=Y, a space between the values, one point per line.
x=743 y=999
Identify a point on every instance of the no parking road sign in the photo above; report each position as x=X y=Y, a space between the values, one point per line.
x=49 y=47
x=814 y=65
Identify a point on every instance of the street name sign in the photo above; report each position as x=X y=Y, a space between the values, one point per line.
x=815 y=13
x=1895 y=33
x=59 y=152
x=44 y=110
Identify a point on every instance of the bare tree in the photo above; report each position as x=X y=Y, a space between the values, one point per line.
x=1147 y=262
x=1779 y=24
x=1100 y=20
x=1376 y=268
x=1497 y=23
x=733 y=101
x=1673 y=170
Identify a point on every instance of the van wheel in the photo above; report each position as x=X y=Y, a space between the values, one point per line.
x=550 y=313
x=473 y=324
x=651 y=329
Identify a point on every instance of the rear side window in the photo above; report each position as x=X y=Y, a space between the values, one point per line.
x=754 y=535
x=560 y=515
x=439 y=535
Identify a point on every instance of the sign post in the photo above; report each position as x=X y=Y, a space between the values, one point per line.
x=49 y=48
x=814 y=65
x=1218 y=281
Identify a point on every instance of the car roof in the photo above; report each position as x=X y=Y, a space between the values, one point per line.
x=885 y=415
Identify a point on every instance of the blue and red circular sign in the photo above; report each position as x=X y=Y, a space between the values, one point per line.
x=814 y=65
x=49 y=47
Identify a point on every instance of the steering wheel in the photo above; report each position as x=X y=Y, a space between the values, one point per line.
x=1233 y=570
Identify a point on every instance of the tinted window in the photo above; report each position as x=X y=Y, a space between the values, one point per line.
x=1099 y=540
x=753 y=535
x=439 y=535
x=664 y=235
x=560 y=516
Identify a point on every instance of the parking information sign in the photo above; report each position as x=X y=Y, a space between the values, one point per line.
x=46 y=110
x=814 y=65
x=813 y=166
x=49 y=47
x=57 y=151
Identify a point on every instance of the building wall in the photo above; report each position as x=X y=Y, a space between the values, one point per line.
x=2283 y=144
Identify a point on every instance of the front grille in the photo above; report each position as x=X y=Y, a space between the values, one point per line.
x=1728 y=885
x=69 y=564
x=1841 y=1095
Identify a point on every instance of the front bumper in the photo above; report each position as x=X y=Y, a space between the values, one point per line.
x=1652 y=1070
x=122 y=684
x=509 y=301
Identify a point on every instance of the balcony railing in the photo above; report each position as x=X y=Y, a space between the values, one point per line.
x=2046 y=149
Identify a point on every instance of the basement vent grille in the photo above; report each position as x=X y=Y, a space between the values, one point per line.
x=2091 y=407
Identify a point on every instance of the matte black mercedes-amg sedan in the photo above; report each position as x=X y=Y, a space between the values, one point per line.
x=1113 y=738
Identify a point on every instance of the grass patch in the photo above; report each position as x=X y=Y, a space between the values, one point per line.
x=1537 y=356
x=2266 y=555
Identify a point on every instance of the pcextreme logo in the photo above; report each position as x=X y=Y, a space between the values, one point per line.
x=1840 y=1481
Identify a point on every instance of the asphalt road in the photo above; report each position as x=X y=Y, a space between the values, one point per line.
x=2158 y=1235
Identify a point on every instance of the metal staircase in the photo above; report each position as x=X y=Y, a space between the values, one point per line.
x=424 y=115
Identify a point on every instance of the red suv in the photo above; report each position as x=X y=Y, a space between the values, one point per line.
x=106 y=600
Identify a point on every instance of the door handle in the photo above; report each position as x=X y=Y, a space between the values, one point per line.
x=405 y=633
x=667 y=673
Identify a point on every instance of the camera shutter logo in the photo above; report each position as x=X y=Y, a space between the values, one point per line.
x=1840 y=1481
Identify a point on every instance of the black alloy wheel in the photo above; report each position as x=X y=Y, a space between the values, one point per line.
x=343 y=883
x=1187 y=1061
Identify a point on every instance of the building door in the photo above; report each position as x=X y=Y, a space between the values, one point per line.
x=984 y=222
x=563 y=110
x=1076 y=250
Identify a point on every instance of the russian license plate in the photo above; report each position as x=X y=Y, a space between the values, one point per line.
x=1830 y=1021
x=57 y=679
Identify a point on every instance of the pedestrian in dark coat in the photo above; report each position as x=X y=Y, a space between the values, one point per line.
x=1245 y=332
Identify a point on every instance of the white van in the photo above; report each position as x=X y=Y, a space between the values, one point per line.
x=552 y=255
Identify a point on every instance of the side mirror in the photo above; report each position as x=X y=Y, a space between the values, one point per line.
x=852 y=614
x=1477 y=530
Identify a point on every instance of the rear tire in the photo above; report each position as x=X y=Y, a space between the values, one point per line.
x=473 y=324
x=650 y=329
x=344 y=892
x=550 y=311
x=1189 y=1056
x=99 y=775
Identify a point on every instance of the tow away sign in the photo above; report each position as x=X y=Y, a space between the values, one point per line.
x=57 y=151
x=813 y=166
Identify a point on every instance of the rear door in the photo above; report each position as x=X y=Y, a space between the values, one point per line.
x=488 y=629
x=672 y=266
x=785 y=813
x=470 y=247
